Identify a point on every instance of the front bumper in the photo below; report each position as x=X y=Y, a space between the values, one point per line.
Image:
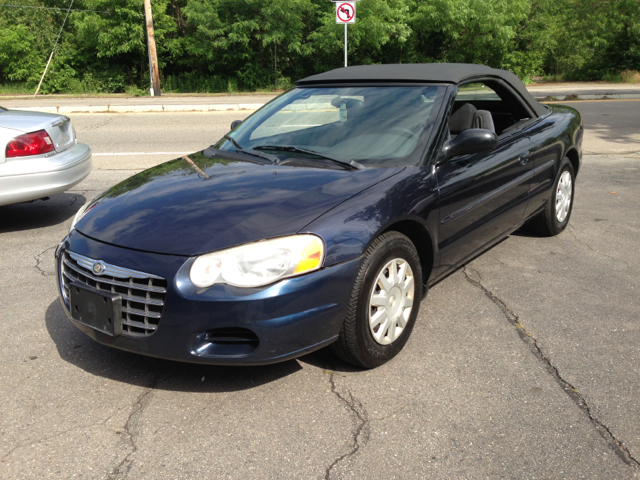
x=289 y=318
x=25 y=179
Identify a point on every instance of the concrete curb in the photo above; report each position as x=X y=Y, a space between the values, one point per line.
x=219 y=107
x=570 y=98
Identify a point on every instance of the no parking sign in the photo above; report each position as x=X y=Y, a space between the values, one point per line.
x=345 y=12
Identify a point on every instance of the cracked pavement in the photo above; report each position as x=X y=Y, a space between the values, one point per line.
x=360 y=416
x=570 y=390
x=521 y=364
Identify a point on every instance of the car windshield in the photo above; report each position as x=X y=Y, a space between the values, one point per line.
x=374 y=126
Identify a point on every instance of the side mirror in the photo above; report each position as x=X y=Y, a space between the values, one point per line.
x=235 y=124
x=472 y=140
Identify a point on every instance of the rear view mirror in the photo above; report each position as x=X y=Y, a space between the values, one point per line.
x=348 y=102
x=472 y=140
x=235 y=124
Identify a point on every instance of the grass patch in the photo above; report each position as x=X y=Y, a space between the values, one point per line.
x=134 y=91
x=15 y=89
x=182 y=85
x=630 y=76
x=189 y=83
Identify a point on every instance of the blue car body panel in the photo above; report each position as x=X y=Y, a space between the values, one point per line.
x=218 y=203
x=410 y=196
x=286 y=320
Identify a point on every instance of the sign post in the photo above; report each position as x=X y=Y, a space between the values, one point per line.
x=345 y=13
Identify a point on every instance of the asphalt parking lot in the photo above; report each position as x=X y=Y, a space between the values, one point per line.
x=523 y=364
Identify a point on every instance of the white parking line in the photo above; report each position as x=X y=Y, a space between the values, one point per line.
x=139 y=153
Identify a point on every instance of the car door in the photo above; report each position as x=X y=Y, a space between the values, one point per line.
x=482 y=195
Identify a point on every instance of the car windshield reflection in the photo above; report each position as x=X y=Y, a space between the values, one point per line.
x=375 y=126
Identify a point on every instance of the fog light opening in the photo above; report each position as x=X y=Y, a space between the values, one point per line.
x=226 y=342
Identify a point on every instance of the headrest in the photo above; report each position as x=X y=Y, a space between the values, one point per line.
x=462 y=118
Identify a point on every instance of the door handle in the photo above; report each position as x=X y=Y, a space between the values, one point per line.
x=524 y=158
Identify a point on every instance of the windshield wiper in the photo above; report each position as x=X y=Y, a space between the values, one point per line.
x=239 y=149
x=290 y=148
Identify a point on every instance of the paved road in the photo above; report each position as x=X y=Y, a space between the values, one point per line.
x=522 y=364
x=540 y=90
x=15 y=102
x=613 y=129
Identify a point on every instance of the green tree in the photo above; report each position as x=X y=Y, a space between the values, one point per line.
x=379 y=34
x=600 y=38
x=471 y=31
x=217 y=45
x=26 y=38
x=236 y=38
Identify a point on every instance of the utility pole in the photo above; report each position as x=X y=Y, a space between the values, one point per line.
x=153 y=56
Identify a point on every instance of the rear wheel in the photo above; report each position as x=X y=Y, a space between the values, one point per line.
x=555 y=215
x=384 y=303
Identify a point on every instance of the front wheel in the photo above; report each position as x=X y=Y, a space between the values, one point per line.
x=555 y=215
x=384 y=302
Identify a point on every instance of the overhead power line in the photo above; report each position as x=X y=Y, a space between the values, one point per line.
x=53 y=49
x=54 y=8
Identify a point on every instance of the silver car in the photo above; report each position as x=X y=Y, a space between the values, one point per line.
x=39 y=156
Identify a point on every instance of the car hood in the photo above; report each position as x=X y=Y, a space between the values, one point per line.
x=202 y=203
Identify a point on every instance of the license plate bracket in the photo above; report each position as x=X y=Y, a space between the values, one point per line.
x=99 y=310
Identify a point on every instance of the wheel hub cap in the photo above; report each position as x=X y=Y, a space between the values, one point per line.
x=391 y=301
x=564 y=194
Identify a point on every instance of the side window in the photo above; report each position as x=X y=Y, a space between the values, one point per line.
x=493 y=109
x=477 y=92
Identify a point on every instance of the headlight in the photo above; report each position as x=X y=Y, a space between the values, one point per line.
x=84 y=209
x=260 y=263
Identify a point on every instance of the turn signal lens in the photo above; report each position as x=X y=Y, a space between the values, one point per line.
x=35 y=143
x=311 y=256
x=261 y=263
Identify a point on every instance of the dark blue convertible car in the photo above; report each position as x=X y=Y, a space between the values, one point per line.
x=322 y=218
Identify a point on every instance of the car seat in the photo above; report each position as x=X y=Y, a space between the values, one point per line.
x=467 y=116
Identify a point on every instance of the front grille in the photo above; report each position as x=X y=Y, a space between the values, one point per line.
x=142 y=294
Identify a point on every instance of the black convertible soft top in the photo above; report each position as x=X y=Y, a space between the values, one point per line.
x=455 y=73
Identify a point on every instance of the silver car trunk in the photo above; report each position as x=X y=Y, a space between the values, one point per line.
x=57 y=126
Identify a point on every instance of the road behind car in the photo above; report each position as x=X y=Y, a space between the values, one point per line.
x=470 y=397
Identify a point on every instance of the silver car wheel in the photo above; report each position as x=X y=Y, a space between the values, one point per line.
x=563 y=196
x=391 y=301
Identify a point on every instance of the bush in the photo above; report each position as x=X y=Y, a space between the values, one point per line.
x=630 y=76
x=193 y=83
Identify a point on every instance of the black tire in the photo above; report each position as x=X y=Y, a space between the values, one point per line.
x=356 y=343
x=546 y=222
